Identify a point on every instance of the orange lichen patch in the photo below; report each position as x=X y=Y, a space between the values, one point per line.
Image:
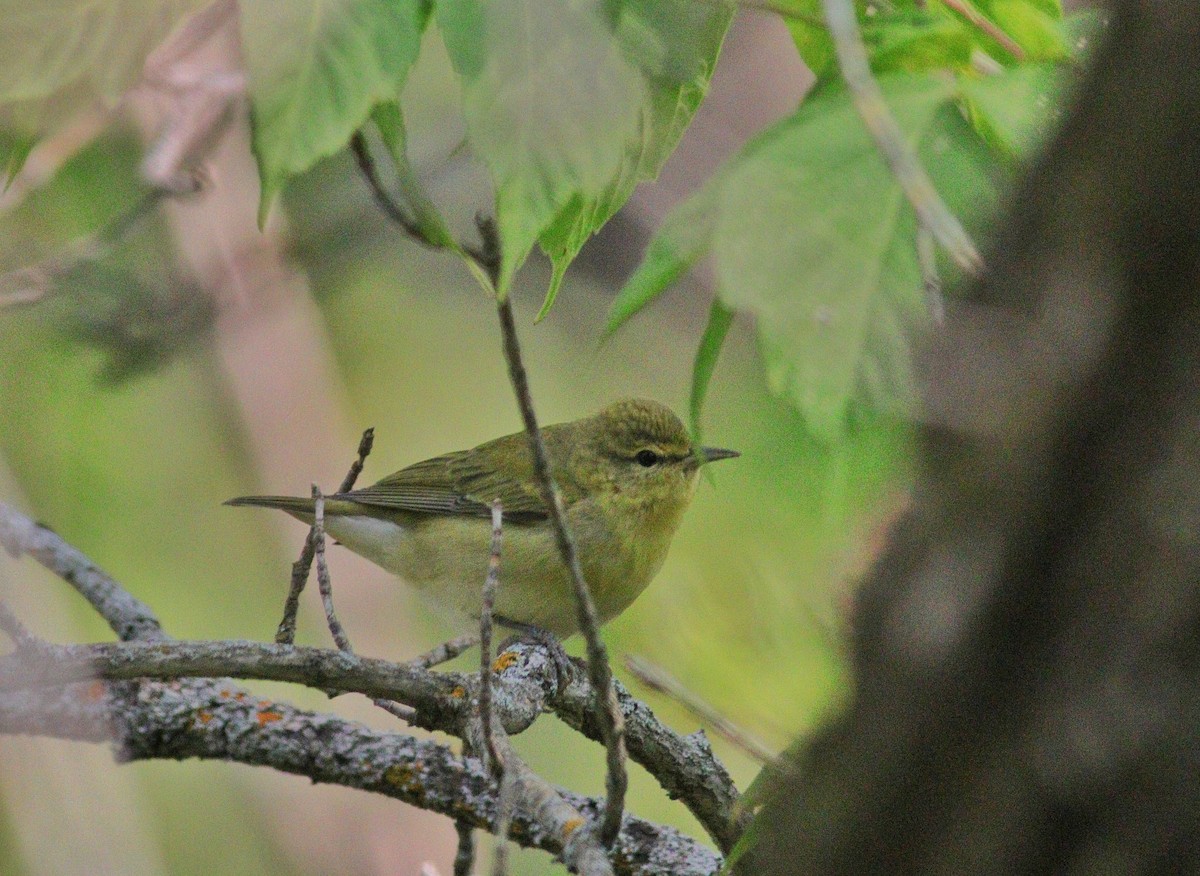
x=240 y=695
x=572 y=825
x=459 y=692
x=225 y=694
x=95 y=691
x=268 y=717
x=204 y=717
x=262 y=704
x=403 y=777
x=505 y=660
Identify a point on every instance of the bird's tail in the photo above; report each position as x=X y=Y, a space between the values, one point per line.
x=298 y=507
x=301 y=508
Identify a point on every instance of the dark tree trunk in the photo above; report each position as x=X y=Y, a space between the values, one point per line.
x=1028 y=648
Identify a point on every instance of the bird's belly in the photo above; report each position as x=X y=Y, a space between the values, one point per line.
x=446 y=560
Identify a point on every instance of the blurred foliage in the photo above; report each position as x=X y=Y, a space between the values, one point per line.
x=808 y=228
x=755 y=586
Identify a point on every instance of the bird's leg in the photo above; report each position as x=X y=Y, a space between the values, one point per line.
x=563 y=668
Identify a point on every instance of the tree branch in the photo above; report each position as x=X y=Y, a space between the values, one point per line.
x=526 y=684
x=215 y=720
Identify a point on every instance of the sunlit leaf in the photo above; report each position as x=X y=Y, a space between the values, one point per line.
x=316 y=68
x=551 y=106
x=1033 y=24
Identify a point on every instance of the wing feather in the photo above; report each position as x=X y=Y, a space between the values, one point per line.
x=464 y=483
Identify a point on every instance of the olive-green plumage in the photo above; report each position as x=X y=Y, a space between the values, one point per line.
x=626 y=475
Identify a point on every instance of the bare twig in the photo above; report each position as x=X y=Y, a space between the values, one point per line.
x=868 y=99
x=504 y=804
x=481 y=260
x=599 y=671
x=383 y=199
x=464 y=855
x=491 y=582
x=365 y=443
x=445 y=652
x=129 y=618
x=496 y=762
x=657 y=678
x=581 y=852
x=324 y=582
x=285 y=634
x=12 y=627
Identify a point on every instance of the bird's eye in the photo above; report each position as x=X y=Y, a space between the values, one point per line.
x=646 y=458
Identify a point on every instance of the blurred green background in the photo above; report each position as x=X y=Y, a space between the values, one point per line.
x=128 y=413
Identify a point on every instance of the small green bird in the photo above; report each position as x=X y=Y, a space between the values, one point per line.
x=626 y=475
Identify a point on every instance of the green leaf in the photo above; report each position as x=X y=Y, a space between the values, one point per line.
x=1034 y=25
x=316 y=68
x=679 y=244
x=806 y=22
x=52 y=44
x=916 y=40
x=676 y=44
x=720 y=318
x=551 y=106
x=389 y=120
x=1016 y=109
x=811 y=234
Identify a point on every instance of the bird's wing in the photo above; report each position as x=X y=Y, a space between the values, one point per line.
x=465 y=482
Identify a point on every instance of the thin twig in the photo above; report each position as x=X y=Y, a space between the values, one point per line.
x=285 y=634
x=657 y=678
x=464 y=856
x=129 y=617
x=496 y=762
x=390 y=208
x=599 y=671
x=504 y=816
x=868 y=100
x=977 y=19
x=491 y=582
x=324 y=582
x=12 y=627
x=478 y=258
x=444 y=652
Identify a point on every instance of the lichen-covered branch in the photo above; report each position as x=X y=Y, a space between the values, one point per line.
x=217 y=720
x=56 y=690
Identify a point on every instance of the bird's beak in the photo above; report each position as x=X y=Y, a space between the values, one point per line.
x=712 y=454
